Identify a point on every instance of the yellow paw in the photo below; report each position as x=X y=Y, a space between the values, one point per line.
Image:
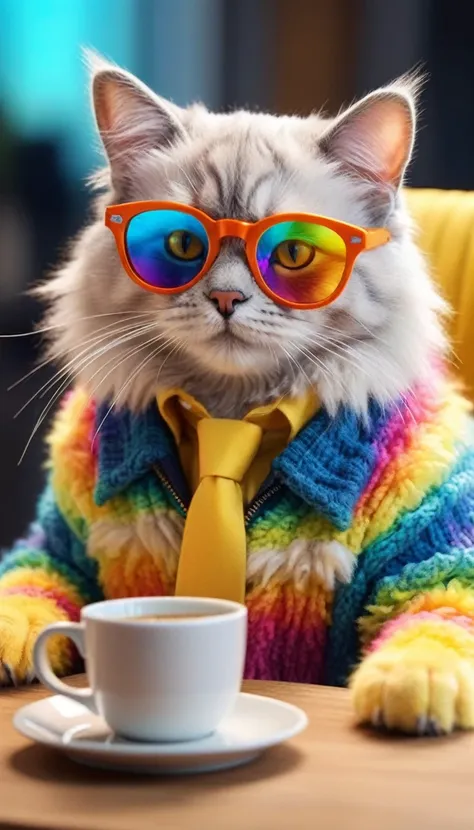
x=21 y=620
x=424 y=687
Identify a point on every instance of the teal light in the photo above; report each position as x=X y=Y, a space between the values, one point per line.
x=42 y=76
x=174 y=45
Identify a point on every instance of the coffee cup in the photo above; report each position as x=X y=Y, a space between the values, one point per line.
x=159 y=668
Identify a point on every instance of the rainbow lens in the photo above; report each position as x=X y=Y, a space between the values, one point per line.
x=301 y=262
x=166 y=248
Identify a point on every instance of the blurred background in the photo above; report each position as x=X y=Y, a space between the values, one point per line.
x=281 y=55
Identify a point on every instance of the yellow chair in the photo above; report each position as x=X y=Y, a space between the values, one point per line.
x=445 y=223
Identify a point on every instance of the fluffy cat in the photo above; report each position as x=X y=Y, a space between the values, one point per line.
x=374 y=341
x=365 y=546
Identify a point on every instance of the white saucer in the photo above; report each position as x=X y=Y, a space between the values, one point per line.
x=255 y=724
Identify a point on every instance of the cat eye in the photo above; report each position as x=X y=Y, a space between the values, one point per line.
x=164 y=249
x=184 y=246
x=293 y=255
x=299 y=260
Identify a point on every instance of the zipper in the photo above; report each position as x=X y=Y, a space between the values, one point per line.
x=260 y=501
x=251 y=510
x=166 y=483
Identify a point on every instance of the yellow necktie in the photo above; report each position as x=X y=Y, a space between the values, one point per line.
x=213 y=555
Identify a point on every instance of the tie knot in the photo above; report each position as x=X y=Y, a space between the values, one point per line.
x=226 y=447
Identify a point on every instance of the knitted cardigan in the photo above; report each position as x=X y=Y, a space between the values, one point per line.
x=361 y=526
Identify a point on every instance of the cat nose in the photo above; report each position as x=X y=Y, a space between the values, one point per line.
x=225 y=301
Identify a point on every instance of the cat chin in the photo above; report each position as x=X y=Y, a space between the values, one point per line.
x=232 y=357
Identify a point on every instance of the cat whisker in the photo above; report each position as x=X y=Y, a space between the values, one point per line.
x=53 y=400
x=295 y=362
x=56 y=326
x=362 y=325
x=175 y=350
x=57 y=354
x=76 y=361
x=329 y=344
x=339 y=354
x=345 y=352
x=91 y=358
x=127 y=333
x=343 y=333
x=345 y=348
x=319 y=364
x=124 y=386
x=292 y=362
x=130 y=353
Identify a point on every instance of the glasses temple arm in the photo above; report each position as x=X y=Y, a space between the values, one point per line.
x=375 y=237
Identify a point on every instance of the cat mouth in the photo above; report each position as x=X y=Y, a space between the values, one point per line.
x=229 y=337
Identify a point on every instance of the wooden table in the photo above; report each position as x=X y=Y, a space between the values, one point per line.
x=331 y=776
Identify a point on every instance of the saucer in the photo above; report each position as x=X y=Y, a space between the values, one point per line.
x=255 y=724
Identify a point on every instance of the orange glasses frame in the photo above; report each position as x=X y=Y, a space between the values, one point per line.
x=117 y=218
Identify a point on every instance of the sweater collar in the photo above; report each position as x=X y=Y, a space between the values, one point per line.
x=328 y=464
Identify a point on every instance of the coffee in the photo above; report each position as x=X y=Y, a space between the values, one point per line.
x=160 y=617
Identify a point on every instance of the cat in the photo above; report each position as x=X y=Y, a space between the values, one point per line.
x=344 y=546
x=247 y=165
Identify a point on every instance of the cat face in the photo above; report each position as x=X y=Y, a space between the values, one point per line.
x=126 y=343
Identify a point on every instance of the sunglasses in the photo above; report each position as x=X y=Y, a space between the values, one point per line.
x=299 y=260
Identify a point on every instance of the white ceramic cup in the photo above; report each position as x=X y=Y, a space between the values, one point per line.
x=163 y=680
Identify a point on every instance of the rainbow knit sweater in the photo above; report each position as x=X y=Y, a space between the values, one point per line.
x=362 y=529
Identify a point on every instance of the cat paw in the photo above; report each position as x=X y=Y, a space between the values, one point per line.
x=21 y=620
x=422 y=689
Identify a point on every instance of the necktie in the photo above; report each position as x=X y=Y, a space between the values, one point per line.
x=213 y=552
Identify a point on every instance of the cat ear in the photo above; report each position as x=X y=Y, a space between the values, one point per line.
x=130 y=117
x=374 y=138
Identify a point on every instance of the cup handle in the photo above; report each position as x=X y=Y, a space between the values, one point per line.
x=75 y=632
